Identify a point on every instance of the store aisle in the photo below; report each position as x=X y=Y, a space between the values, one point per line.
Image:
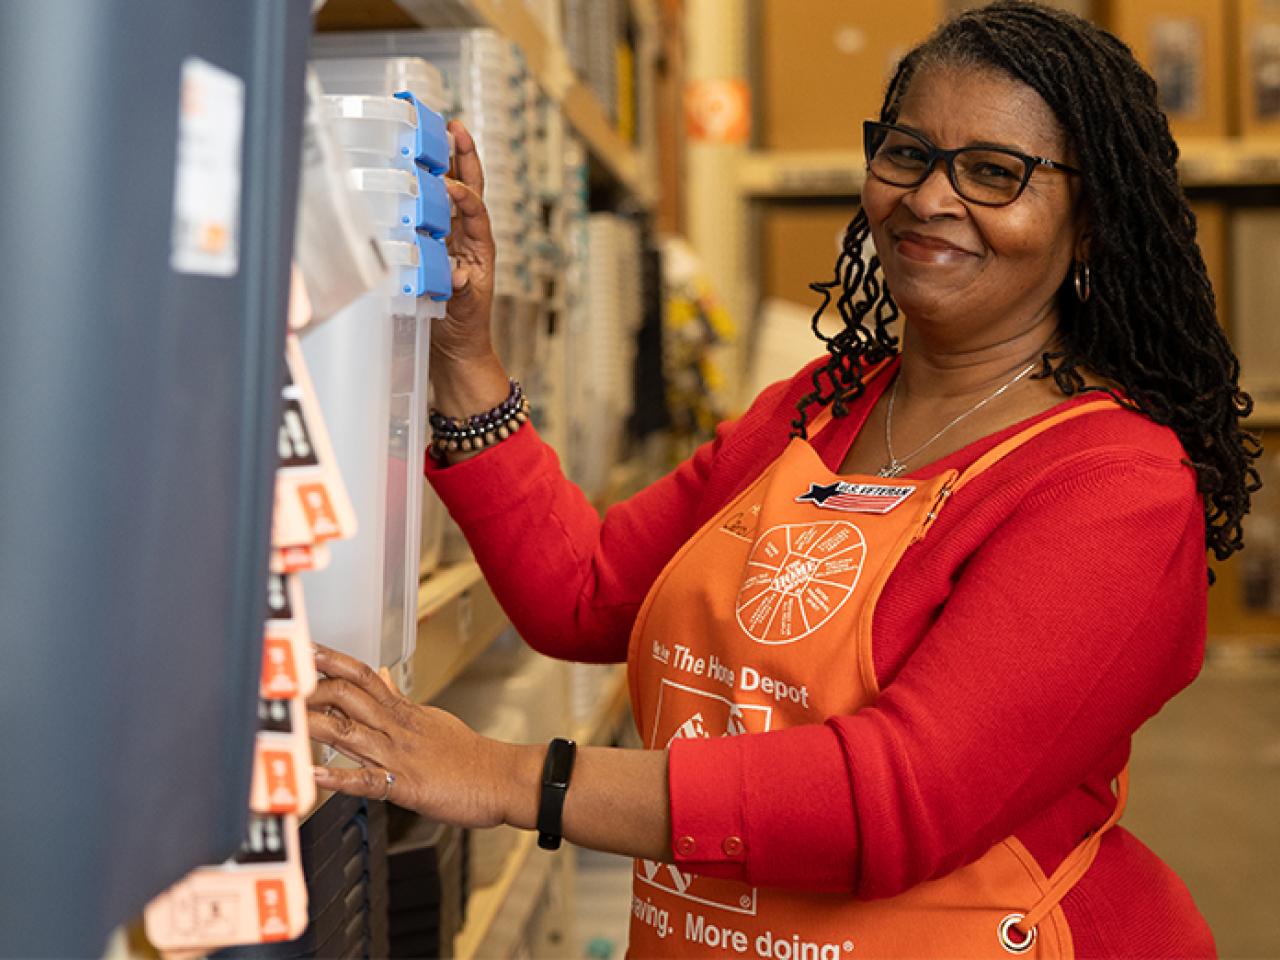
x=602 y=899
x=1205 y=788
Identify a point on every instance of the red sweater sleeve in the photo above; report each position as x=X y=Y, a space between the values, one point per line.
x=1071 y=624
x=570 y=582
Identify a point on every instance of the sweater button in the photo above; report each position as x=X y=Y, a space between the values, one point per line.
x=685 y=846
x=732 y=846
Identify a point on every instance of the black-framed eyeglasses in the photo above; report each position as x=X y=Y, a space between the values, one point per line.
x=990 y=176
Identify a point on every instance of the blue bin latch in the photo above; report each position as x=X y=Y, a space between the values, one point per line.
x=433 y=138
x=435 y=272
x=434 y=207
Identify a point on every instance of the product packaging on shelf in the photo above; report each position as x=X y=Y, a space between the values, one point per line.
x=1183 y=43
x=308 y=477
x=282 y=780
x=288 y=666
x=1258 y=67
x=1255 y=243
x=258 y=896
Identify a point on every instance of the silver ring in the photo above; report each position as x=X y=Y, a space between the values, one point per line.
x=1012 y=946
x=391 y=781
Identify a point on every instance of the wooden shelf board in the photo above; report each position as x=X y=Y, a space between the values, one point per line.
x=612 y=708
x=363 y=15
x=446 y=583
x=1266 y=415
x=1229 y=162
x=801 y=173
x=453 y=633
x=485 y=903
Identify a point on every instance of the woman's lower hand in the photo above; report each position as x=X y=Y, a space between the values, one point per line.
x=440 y=768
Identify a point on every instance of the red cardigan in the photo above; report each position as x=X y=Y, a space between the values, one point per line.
x=1058 y=602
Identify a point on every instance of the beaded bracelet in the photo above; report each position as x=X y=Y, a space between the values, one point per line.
x=453 y=434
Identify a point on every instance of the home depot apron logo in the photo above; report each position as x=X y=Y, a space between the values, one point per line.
x=685 y=711
x=798 y=576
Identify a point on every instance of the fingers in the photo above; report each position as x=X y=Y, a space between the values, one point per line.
x=368 y=782
x=472 y=221
x=466 y=159
x=339 y=666
x=349 y=737
x=343 y=698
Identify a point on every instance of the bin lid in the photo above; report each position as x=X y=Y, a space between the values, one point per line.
x=369 y=108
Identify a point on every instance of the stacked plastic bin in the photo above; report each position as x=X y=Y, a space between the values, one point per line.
x=591 y=33
x=604 y=321
x=489 y=89
x=370 y=361
x=576 y=306
x=485 y=75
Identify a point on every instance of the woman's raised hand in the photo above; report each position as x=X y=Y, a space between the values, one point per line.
x=464 y=333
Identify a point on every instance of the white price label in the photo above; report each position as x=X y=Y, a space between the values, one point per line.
x=206 y=185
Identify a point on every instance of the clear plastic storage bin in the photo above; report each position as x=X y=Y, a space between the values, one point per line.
x=369 y=364
x=375 y=131
x=392 y=198
x=383 y=77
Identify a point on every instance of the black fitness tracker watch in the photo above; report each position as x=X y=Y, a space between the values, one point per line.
x=556 y=771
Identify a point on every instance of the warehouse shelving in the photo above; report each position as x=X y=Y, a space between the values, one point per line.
x=802 y=173
x=630 y=166
x=524 y=874
x=779 y=174
x=1266 y=415
x=458 y=620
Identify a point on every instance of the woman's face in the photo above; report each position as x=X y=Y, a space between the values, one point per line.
x=976 y=274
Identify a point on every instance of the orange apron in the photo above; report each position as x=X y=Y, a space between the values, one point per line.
x=763 y=621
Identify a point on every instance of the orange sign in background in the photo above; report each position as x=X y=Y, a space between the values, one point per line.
x=718 y=111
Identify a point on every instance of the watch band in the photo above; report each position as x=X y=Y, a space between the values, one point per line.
x=556 y=771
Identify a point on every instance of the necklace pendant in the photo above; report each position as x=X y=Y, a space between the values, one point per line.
x=892 y=469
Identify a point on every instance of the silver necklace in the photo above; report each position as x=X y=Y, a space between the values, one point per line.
x=896 y=467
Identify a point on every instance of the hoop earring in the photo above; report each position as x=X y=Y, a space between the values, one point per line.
x=1084 y=285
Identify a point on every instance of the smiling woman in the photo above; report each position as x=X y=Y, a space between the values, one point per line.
x=886 y=656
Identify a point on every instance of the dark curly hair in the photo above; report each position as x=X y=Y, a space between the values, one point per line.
x=1150 y=325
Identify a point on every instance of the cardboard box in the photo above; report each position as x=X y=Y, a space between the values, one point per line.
x=1183 y=43
x=799 y=245
x=1081 y=8
x=1211 y=234
x=1255 y=246
x=1257 y=68
x=1244 y=604
x=824 y=65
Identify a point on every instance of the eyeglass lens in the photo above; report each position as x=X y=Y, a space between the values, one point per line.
x=979 y=174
